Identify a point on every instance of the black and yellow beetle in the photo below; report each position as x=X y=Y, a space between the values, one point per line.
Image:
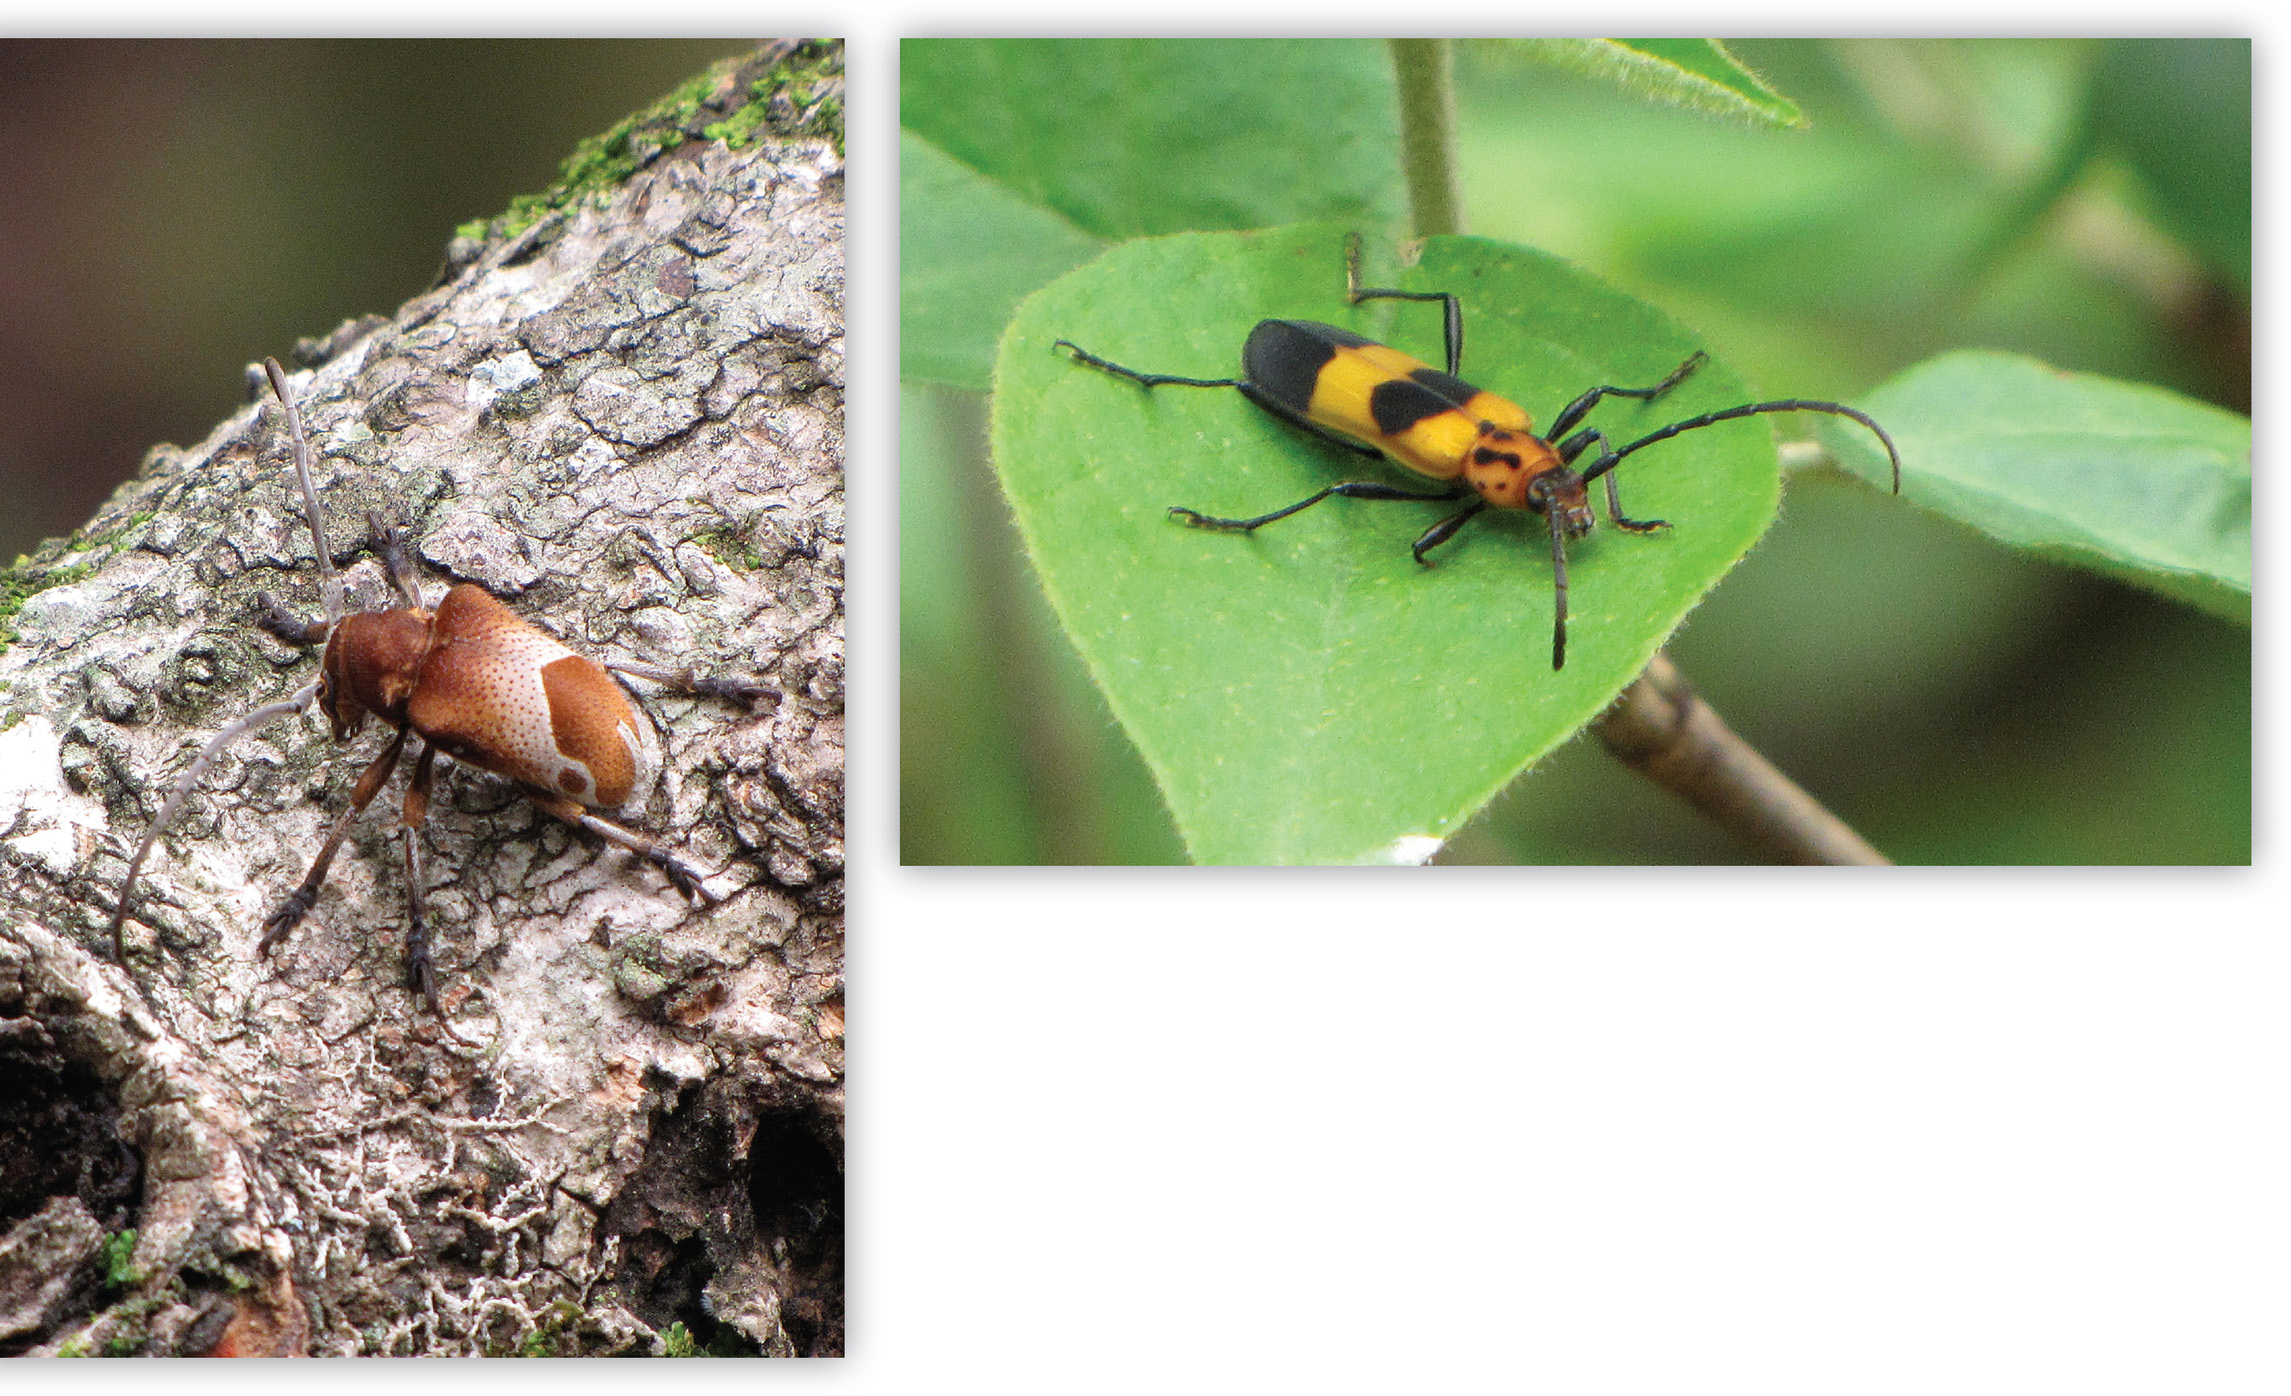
x=1373 y=399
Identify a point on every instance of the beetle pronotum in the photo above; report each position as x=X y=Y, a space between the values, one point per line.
x=1371 y=398
x=475 y=682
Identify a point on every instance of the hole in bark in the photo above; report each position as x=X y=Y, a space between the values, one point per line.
x=69 y=1186
x=795 y=1189
x=59 y=1137
x=726 y=1240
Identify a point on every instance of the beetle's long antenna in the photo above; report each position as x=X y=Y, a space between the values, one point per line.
x=1835 y=409
x=1558 y=589
x=299 y=703
x=331 y=583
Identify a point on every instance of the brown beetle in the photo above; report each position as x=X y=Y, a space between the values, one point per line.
x=473 y=680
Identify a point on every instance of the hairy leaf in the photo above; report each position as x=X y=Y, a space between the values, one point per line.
x=2124 y=478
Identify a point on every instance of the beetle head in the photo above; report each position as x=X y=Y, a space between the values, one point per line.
x=371 y=662
x=1562 y=495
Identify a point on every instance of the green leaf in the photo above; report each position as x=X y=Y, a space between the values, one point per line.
x=2122 y=478
x=1018 y=157
x=1308 y=693
x=969 y=248
x=1133 y=137
x=1698 y=74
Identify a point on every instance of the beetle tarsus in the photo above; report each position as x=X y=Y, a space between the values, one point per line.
x=688 y=879
x=421 y=977
x=742 y=689
x=1196 y=519
x=281 y=923
x=273 y=616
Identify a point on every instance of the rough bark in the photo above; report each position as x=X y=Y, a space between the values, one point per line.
x=626 y=422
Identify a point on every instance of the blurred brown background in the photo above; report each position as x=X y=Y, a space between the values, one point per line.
x=171 y=210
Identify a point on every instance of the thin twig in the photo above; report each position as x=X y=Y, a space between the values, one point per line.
x=1662 y=729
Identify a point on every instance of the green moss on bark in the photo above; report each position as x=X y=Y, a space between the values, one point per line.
x=790 y=90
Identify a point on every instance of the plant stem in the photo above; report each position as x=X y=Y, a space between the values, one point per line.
x=1426 y=73
x=1662 y=729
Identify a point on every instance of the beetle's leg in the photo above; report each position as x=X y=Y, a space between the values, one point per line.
x=419 y=976
x=272 y=615
x=1445 y=529
x=1574 y=446
x=298 y=903
x=1575 y=411
x=390 y=543
x=299 y=703
x=1451 y=312
x=683 y=874
x=1150 y=380
x=1350 y=489
x=1248 y=390
x=747 y=690
x=1615 y=512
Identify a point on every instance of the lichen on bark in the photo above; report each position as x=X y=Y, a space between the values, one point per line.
x=625 y=421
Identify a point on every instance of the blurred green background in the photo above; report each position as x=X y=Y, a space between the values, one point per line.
x=2085 y=202
x=176 y=209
